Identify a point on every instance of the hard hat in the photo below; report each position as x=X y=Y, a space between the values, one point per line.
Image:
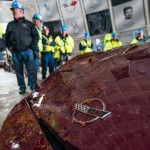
x=15 y=5
x=63 y=28
x=139 y=31
x=86 y=35
x=114 y=34
x=37 y=16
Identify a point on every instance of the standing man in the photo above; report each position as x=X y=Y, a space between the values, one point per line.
x=37 y=20
x=140 y=38
x=113 y=43
x=65 y=44
x=86 y=44
x=47 y=59
x=21 y=40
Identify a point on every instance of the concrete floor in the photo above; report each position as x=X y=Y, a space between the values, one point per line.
x=9 y=95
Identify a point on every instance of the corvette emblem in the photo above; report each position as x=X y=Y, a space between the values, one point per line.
x=70 y=5
x=95 y=113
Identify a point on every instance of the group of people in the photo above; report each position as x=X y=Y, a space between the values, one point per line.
x=111 y=41
x=30 y=42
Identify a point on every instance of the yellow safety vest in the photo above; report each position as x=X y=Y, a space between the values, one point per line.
x=112 y=44
x=84 y=43
x=48 y=48
x=56 y=54
x=40 y=45
x=1 y=30
x=116 y=43
x=134 y=41
x=108 y=46
x=64 y=45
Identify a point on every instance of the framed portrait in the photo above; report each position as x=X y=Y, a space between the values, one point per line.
x=92 y=6
x=129 y=15
x=47 y=9
x=76 y=26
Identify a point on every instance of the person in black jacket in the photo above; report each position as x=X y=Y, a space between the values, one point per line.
x=21 y=39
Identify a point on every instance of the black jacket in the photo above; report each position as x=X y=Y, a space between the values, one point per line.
x=21 y=35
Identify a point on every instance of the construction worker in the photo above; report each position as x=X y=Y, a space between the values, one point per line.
x=86 y=44
x=56 y=56
x=140 y=38
x=65 y=44
x=37 y=20
x=21 y=40
x=113 y=43
x=47 y=59
x=107 y=42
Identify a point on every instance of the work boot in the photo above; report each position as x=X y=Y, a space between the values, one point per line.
x=22 y=91
x=31 y=88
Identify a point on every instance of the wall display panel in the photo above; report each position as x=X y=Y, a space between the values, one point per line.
x=5 y=12
x=129 y=16
x=92 y=6
x=54 y=27
x=30 y=10
x=49 y=10
x=70 y=8
x=99 y=22
x=118 y=2
x=76 y=27
x=30 y=7
x=149 y=7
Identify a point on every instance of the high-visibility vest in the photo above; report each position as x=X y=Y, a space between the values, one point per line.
x=116 y=43
x=112 y=44
x=108 y=46
x=48 y=48
x=139 y=40
x=1 y=30
x=64 y=45
x=40 y=45
x=134 y=41
x=56 y=54
x=84 y=44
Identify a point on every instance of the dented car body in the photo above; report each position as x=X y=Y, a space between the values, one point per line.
x=98 y=100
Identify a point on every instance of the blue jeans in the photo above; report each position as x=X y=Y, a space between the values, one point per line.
x=24 y=57
x=47 y=60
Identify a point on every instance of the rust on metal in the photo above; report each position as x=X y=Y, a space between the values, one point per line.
x=120 y=78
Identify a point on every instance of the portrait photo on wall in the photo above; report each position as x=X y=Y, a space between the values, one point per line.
x=47 y=9
x=54 y=27
x=99 y=22
x=92 y=6
x=76 y=26
x=129 y=15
